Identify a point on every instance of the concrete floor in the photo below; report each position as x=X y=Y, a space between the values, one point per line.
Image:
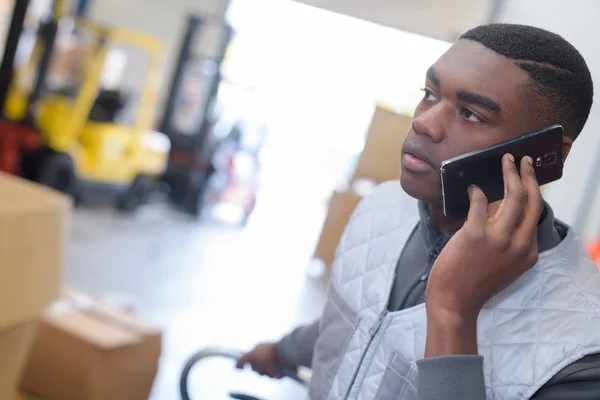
x=205 y=284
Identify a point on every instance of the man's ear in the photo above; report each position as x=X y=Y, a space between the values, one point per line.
x=567 y=143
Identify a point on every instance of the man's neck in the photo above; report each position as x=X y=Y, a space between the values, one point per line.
x=443 y=223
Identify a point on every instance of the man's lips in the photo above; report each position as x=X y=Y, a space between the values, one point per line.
x=416 y=161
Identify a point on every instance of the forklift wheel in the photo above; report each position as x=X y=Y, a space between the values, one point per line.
x=57 y=171
x=136 y=194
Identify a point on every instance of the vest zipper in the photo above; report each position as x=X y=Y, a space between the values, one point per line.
x=375 y=328
x=372 y=332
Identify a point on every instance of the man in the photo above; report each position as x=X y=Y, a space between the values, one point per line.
x=504 y=304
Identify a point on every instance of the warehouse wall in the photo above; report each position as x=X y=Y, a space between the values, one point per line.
x=576 y=21
x=440 y=19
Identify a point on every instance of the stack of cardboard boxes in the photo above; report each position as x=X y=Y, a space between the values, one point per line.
x=379 y=162
x=55 y=343
x=33 y=234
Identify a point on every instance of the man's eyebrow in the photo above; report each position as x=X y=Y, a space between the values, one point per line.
x=474 y=98
x=433 y=76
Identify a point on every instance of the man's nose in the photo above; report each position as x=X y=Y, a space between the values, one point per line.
x=431 y=123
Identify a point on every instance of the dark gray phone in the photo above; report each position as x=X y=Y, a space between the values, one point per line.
x=484 y=167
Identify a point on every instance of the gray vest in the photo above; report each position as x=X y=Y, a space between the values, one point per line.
x=546 y=320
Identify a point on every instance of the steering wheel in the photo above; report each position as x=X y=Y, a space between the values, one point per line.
x=234 y=355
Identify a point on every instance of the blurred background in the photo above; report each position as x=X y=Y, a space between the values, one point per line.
x=213 y=151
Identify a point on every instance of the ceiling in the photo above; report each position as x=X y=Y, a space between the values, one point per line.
x=440 y=19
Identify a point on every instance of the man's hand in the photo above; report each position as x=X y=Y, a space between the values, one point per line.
x=263 y=359
x=496 y=245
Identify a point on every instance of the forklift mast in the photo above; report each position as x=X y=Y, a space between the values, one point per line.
x=193 y=28
x=188 y=168
x=47 y=38
x=47 y=34
x=10 y=49
x=19 y=138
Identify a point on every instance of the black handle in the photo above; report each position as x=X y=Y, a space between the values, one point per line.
x=234 y=355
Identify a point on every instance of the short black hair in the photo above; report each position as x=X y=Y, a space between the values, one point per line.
x=559 y=75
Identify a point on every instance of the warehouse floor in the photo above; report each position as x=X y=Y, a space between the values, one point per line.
x=205 y=284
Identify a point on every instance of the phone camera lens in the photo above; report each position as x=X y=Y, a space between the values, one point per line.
x=538 y=162
x=550 y=159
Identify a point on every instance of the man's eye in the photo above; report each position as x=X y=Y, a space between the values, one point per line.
x=470 y=116
x=428 y=95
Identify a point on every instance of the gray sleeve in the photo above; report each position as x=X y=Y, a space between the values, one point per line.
x=578 y=381
x=456 y=377
x=297 y=347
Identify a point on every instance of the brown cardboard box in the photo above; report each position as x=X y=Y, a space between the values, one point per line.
x=84 y=350
x=380 y=158
x=341 y=207
x=33 y=233
x=25 y=396
x=33 y=222
x=14 y=345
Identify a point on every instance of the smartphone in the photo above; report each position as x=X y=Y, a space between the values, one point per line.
x=484 y=167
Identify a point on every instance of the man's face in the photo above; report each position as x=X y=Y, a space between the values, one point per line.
x=473 y=98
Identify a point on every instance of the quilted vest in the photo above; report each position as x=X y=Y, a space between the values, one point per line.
x=544 y=321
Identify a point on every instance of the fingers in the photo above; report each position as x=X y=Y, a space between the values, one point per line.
x=273 y=372
x=478 y=214
x=266 y=369
x=261 y=368
x=242 y=361
x=535 y=202
x=523 y=204
x=515 y=198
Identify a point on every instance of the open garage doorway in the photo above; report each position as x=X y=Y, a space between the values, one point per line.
x=315 y=78
x=321 y=75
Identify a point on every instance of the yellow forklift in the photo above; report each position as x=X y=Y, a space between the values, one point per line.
x=71 y=94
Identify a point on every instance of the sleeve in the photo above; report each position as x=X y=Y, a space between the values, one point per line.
x=296 y=348
x=578 y=381
x=456 y=377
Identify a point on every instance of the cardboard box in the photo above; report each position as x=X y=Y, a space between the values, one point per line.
x=14 y=346
x=84 y=350
x=33 y=236
x=341 y=207
x=380 y=158
x=24 y=396
x=33 y=232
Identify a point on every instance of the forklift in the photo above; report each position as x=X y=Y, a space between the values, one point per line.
x=189 y=118
x=17 y=136
x=67 y=137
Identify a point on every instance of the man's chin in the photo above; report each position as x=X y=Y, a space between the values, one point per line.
x=419 y=188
